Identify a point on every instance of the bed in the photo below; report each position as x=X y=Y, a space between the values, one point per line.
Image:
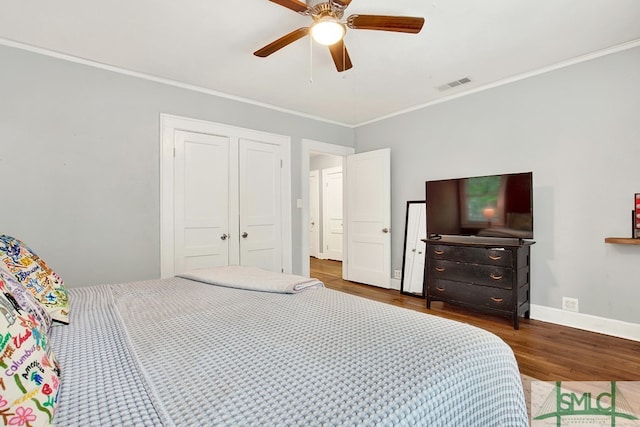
x=185 y=351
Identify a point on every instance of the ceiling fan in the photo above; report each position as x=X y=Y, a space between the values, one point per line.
x=327 y=29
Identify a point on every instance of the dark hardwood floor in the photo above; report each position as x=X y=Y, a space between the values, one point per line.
x=544 y=351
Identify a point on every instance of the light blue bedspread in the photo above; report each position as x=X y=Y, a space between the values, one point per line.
x=176 y=352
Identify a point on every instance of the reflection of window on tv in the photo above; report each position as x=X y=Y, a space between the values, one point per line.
x=481 y=202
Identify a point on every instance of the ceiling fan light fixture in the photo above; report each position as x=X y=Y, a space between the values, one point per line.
x=327 y=30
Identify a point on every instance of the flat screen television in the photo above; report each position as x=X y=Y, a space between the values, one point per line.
x=487 y=206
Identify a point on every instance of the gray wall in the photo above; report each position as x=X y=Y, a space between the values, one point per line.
x=578 y=130
x=324 y=161
x=79 y=153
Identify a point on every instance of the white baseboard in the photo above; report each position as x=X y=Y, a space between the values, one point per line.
x=587 y=322
x=394 y=284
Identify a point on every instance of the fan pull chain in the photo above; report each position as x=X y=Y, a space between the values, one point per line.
x=310 y=60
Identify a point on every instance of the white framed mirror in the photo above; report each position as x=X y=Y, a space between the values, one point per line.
x=414 y=248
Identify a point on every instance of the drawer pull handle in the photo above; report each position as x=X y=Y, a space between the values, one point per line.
x=494 y=299
x=438 y=252
x=496 y=276
x=439 y=269
x=438 y=288
x=495 y=257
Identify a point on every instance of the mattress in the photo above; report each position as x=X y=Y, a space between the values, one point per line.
x=178 y=352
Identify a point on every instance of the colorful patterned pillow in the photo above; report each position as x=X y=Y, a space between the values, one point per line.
x=30 y=270
x=30 y=375
x=27 y=301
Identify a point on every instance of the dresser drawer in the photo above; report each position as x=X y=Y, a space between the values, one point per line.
x=481 y=296
x=489 y=256
x=488 y=275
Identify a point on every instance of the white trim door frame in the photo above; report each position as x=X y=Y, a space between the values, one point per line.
x=309 y=146
x=168 y=125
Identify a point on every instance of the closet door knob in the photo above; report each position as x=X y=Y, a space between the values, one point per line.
x=224 y=237
x=385 y=230
x=244 y=235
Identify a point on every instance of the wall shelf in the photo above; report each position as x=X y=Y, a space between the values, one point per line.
x=622 y=240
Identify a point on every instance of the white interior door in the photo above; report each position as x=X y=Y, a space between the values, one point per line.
x=332 y=221
x=314 y=213
x=368 y=177
x=201 y=195
x=260 y=204
x=412 y=276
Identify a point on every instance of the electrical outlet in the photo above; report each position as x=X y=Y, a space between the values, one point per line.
x=570 y=304
x=397 y=274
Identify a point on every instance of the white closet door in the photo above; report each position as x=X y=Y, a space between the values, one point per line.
x=332 y=213
x=201 y=201
x=260 y=204
x=368 y=201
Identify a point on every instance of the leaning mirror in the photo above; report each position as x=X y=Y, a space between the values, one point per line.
x=415 y=230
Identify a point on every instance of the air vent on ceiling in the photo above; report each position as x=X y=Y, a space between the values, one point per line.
x=454 y=83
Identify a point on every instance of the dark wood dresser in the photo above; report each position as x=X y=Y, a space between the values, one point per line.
x=491 y=276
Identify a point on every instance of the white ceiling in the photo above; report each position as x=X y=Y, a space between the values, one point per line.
x=210 y=44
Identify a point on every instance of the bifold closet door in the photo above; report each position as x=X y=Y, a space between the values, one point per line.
x=223 y=193
x=201 y=187
x=260 y=168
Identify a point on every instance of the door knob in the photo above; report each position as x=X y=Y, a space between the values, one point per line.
x=385 y=230
x=244 y=235
x=224 y=236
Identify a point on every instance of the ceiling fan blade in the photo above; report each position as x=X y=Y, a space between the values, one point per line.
x=281 y=42
x=340 y=56
x=344 y=3
x=401 y=24
x=295 y=5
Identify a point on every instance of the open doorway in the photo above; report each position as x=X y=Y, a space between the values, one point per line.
x=326 y=208
x=366 y=216
x=319 y=156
